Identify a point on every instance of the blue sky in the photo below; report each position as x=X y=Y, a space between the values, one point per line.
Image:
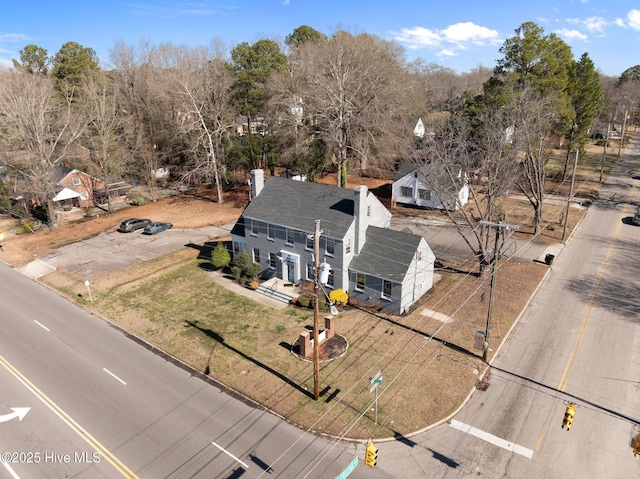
x=458 y=34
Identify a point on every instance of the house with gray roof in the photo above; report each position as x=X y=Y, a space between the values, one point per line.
x=430 y=186
x=372 y=263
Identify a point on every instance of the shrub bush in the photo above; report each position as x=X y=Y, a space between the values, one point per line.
x=220 y=256
x=339 y=297
x=248 y=270
x=136 y=199
x=25 y=227
x=304 y=302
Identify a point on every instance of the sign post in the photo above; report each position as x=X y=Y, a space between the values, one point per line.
x=375 y=380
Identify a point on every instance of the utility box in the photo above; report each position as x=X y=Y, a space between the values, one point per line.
x=478 y=340
x=549 y=259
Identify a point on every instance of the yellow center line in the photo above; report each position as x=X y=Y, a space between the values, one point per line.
x=585 y=320
x=564 y=380
x=94 y=443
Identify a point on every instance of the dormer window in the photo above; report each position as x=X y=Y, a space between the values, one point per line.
x=76 y=180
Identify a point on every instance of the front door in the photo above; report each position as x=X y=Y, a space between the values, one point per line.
x=291 y=269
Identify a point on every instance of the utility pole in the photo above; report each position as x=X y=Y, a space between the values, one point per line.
x=573 y=177
x=496 y=255
x=624 y=124
x=316 y=313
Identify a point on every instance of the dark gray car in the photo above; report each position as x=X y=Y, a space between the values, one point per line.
x=132 y=224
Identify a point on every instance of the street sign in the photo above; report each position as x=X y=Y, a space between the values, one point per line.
x=375 y=380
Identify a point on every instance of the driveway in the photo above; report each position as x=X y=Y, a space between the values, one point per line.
x=446 y=243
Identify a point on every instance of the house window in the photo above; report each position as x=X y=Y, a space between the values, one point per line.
x=273 y=261
x=289 y=236
x=271 y=232
x=406 y=191
x=310 y=240
x=256 y=255
x=424 y=194
x=386 y=288
x=76 y=180
x=255 y=228
x=331 y=247
x=310 y=272
x=331 y=279
x=347 y=246
x=419 y=255
x=359 y=282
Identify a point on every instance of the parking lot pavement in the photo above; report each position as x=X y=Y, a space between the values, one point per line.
x=112 y=251
x=446 y=241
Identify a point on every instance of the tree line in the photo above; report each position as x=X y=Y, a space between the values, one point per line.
x=313 y=104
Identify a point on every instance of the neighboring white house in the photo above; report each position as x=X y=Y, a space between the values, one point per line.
x=429 y=186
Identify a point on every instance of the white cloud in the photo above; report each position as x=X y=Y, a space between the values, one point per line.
x=595 y=24
x=459 y=36
x=619 y=22
x=418 y=37
x=446 y=52
x=468 y=32
x=571 y=34
x=634 y=19
x=12 y=37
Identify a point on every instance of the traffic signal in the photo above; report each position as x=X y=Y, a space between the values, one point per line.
x=569 y=414
x=371 y=456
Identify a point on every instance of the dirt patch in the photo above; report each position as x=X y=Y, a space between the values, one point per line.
x=192 y=210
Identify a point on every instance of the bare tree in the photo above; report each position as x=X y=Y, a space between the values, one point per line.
x=40 y=126
x=350 y=91
x=148 y=112
x=534 y=125
x=202 y=81
x=104 y=132
x=464 y=147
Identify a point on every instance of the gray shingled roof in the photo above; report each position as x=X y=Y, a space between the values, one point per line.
x=60 y=173
x=298 y=204
x=386 y=253
x=434 y=174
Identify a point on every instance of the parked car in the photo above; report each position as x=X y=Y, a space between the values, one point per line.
x=156 y=227
x=132 y=224
x=636 y=218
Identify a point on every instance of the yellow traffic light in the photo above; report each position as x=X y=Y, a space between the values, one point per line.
x=636 y=446
x=371 y=456
x=569 y=414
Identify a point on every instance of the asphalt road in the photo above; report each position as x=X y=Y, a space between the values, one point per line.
x=92 y=389
x=578 y=341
